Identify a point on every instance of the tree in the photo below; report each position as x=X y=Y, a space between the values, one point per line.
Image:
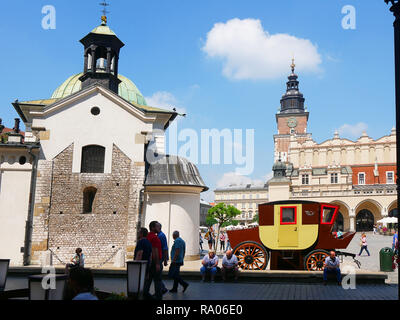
x=223 y=215
x=255 y=218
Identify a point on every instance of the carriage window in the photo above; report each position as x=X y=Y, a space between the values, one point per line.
x=328 y=213
x=288 y=215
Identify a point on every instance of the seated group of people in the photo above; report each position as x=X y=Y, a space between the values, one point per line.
x=230 y=265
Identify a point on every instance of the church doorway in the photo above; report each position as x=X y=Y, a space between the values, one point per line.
x=364 y=221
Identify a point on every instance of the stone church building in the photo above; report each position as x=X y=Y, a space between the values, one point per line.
x=79 y=176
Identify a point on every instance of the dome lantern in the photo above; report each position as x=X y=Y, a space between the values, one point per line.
x=101 y=55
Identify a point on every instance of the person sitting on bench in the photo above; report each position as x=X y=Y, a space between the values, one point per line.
x=332 y=265
x=210 y=263
x=230 y=265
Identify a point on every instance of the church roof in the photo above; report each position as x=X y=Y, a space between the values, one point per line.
x=127 y=89
x=103 y=29
x=174 y=171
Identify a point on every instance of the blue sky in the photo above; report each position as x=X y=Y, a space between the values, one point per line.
x=352 y=83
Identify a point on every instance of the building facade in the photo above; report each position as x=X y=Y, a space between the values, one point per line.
x=246 y=199
x=87 y=180
x=359 y=176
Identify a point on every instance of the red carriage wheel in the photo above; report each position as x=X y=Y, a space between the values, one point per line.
x=251 y=256
x=314 y=261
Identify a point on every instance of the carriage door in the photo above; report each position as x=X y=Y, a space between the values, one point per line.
x=288 y=234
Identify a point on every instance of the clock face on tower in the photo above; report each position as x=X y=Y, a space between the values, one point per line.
x=292 y=123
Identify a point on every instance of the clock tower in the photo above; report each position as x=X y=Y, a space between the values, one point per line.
x=291 y=119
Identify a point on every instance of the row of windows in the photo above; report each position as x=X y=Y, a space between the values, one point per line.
x=249 y=215
x=305 y=178
x=362 y=176
x=240 y=196
x=244 y=205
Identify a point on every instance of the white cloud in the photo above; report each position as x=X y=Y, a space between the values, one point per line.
x=165 y=100
x=208 y=196
x=250 y=52
x=231 y=179
x=269 y=176
x=353 y=130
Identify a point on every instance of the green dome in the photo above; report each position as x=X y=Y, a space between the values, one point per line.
x=127 y=89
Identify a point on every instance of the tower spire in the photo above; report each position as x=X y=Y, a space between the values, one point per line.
x=104 y=4
x=293 y=65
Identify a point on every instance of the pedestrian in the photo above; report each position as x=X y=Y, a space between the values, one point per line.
x=154 y=272
x=165 y=258
x=210 y=264
x=81 y=284
x=177 y=255
x=230 y=265
x=209 y=238
x=78 y=260
x=332 y=265
x=201 y=242
x=143 y=248
x=222 y=241
x=395 y=241
x=228 y=243
x=364 y=244
x=374 y=229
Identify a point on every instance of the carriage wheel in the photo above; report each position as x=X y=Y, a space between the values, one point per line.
x=314 y=261
x=251 y=256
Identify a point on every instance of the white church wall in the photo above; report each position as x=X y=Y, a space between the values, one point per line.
x=176 y=211
x=14 y=198
x=76 y=124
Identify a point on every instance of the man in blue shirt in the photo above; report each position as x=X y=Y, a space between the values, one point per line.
x=164 y=249
x=177 y=255
x=332 y=265
x=143 y=248
x=395 y=241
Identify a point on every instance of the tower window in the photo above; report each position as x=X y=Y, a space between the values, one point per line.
x=93 y=159
x=334 y=178
x=88 y=198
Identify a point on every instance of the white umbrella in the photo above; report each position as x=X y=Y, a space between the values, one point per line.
x=387 y=220
x=392 y=220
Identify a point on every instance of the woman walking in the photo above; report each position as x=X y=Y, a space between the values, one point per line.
x=364 y=244
x=222 y=238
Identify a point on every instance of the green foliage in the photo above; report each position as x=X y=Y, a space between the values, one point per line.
x=255 y=218
x=223 y=215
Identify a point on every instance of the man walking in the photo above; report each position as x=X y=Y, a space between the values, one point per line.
x=177 y=255
x=156 y=256
x=164 y=257
x=332 y=265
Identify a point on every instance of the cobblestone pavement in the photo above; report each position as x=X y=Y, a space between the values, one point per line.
x=371 y=263
x=375 y=243
x=251 y=291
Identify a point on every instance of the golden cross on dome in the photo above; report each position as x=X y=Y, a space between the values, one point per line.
x=104 y=16
x=293 y=65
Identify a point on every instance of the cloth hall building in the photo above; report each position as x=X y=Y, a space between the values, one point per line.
x=359 y=176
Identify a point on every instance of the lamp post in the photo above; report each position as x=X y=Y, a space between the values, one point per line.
x=3 y=273
x=136 y=278
x=395 y=9
x=38 y=287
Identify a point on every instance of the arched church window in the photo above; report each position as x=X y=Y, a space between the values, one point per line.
x=93 y=159
x=88 y=198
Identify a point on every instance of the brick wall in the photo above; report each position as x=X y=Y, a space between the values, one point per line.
x=112 y=223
